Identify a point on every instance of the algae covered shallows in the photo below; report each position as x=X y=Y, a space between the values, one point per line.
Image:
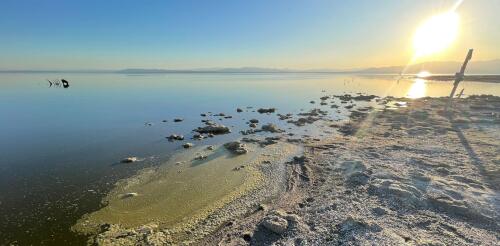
x=197 y=195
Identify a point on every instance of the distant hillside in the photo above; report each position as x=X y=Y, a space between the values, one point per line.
x=474 y=67
x=226 y=70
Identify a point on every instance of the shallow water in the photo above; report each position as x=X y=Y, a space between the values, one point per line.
x=60 y=147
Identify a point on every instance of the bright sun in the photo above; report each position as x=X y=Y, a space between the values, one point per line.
x=436 y=34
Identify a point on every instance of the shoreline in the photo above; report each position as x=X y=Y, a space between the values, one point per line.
x=359 y=185
x=392 y=181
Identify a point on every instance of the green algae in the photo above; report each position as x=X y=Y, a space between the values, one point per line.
x=182 y=192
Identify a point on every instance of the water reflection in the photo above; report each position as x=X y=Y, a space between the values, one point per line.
x=417 y=89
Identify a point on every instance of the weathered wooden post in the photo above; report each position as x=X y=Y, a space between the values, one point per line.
x=458 y=78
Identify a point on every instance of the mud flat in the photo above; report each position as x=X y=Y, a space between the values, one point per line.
x=406 y=174
x=188 y=197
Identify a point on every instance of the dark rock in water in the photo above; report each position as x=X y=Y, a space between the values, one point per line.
x=239 y=110
x=249 y=140
x=236 y=147
x=253 y=125
x=348 y=129
x=266 y=110
x=249 y=131
x=175 y=137
x=323 y=103
x=254 y=121
x=269 y=141
x=164 y=121
x=129 y=159
x=178 y=119
x=215 y=129
x=187 y=145
x=200 y=157
x=312 y=102
x=285 y=117
x=203 y=115
x=271 y=128
x=348 y=97
x=324 y=98
x=198 y=136
x=303 y=121
x=314 y=112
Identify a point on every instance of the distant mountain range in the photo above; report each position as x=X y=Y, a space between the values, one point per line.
x=450 y=67
x=227 y=70
x=474 y=67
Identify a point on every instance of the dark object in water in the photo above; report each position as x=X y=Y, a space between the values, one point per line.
x=65 y=83
x=58 y=83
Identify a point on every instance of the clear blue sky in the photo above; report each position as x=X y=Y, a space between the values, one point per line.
x=57 y=34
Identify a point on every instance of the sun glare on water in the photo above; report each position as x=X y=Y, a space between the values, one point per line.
x=417 y=89
x=423 y=74
x=436 y=34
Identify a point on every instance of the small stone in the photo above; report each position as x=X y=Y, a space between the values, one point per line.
x=201 y=157
x=254 y=121
x=239 y=110
x=128 y=195
x=178 y=119
x=210 y=147
x=275 y=224
x=187 y=145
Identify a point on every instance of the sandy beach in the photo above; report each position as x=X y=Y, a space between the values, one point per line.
x=403 y=172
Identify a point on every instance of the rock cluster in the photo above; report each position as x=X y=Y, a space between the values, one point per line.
x=236 y=147
x=213 y=128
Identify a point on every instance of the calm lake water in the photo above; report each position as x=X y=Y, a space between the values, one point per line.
x=60 y=148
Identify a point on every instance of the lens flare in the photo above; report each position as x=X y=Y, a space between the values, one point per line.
x=436 y=34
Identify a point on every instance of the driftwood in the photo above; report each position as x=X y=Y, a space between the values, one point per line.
x=459 y=77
